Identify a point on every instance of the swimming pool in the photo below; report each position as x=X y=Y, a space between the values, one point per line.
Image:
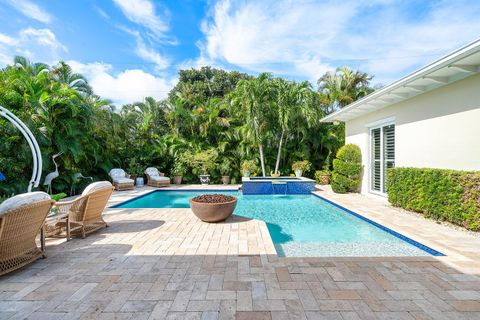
x=303 y=225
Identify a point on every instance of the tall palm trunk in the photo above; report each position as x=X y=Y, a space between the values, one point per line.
x=277 y=164
x=262 y=161
x=260 y=145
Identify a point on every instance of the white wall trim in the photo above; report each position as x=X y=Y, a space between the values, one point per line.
x=380 y=122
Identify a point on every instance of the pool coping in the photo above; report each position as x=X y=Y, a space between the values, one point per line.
x=425 y=248
x=164 y=190
x=409 y=240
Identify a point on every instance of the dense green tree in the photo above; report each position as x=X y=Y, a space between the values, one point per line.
x=199 y=85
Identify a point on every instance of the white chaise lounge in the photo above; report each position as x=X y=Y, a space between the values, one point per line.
x=121 y=180
x=156 y=178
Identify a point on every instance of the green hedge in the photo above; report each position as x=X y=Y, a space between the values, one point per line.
x=347 y=169
x=444 y=195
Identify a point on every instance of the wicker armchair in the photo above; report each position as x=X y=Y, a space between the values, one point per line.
x=85 y=212
x=21 y=218
x=121 y=180
x=155 y=178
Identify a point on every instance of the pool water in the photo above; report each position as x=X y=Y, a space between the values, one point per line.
x=274 y=179
x=301 y=225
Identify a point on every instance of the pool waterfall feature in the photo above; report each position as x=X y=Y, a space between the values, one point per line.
x=280 y=185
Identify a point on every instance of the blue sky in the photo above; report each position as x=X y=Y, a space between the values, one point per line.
x=129 y=49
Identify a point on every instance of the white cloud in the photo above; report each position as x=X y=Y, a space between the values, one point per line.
x=125 y=87
x=101 y=12
x=303 y=39
x=7 y=40
x=43 y=37
x=151 y=55
x=35 y=44
x=142 y=12
x=31 y=10
x=147 y=53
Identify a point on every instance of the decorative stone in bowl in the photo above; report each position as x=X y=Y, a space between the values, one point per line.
x=213 y=207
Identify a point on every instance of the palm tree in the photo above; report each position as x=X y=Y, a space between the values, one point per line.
x=342 y=87
x=254 y=98
x=63 y=73
x=294 y=109
x=32 y=69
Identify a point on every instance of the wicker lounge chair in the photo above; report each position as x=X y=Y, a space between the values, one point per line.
x=85 y=212
x=21 y=218
x=155 y=178
x=121 y=180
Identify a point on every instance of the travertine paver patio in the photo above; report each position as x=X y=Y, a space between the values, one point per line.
x=166 y=264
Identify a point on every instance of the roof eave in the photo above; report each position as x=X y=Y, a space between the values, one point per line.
x=405 y=88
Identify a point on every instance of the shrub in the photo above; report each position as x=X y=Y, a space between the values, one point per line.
x=322 y=177
x=225 y=167
x=201 y=162
x=445 y=195
x=135 y=168
x=304 y=166
x=347 y=169
x=248 y=166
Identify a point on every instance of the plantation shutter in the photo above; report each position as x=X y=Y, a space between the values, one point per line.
x=376 y=160
x=388 y=152
x=382 y=156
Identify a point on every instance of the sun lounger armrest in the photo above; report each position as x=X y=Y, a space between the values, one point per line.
x=66 y=206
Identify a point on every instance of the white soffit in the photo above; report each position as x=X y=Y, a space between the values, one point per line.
x=457 y=65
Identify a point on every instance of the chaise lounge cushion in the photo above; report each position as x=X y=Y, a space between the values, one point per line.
x=123 y=181
x=153 y=172
x=117 y=173
x=160 y=178
x=96 y=186
x=21 y=200
x=119 y=176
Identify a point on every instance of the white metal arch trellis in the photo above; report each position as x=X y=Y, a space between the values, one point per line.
x=32 y=142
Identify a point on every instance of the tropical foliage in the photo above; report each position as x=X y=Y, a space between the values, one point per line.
x=268 y=121
x=342 y=87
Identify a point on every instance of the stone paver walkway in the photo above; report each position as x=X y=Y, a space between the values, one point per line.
x=166 y=264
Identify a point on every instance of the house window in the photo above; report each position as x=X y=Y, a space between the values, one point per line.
x=382 y=155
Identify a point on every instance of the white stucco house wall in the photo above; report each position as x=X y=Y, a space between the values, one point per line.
x=428 y=119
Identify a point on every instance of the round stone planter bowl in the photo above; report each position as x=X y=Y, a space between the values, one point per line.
x=213 y=211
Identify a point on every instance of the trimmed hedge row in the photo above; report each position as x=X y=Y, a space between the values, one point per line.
x=445 y=195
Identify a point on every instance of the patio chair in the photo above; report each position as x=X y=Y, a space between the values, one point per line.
x=121 y=180
x=21 y=218
x=85 y=212
x=156 y=178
